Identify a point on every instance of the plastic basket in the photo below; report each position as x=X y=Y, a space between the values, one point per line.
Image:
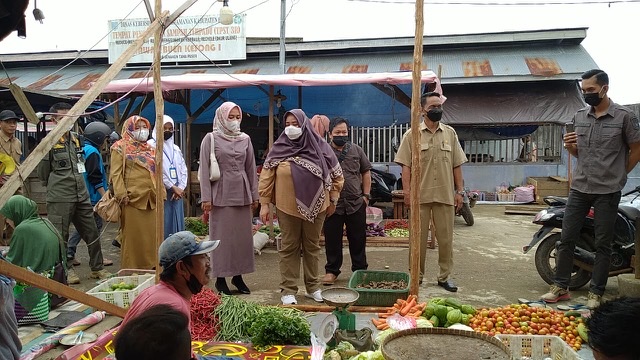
x=378 y=297
x=538 y=347
x=122 y=298
x=508 y=197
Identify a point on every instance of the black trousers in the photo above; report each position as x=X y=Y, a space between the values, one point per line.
x=356 y=225
x=605 y=207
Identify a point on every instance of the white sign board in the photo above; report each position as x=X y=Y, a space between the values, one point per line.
x=189 y=38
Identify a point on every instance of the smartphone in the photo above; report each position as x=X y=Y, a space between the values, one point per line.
x=569 y=128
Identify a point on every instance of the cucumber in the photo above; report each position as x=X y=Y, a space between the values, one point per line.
x=573 y=313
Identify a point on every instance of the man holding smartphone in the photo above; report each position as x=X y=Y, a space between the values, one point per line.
x=606 y=143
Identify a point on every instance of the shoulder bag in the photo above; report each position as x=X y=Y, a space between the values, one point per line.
x=214 y=168
x=108 y=207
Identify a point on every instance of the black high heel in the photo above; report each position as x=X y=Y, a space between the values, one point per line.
x=239 y=283
x=221 y=286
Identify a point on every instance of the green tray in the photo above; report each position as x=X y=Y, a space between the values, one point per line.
x=378 y=297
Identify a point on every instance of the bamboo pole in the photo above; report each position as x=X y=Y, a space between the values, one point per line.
x=414 y=216
x=328 y=309
x=54 y=287
x=636 y=262
x=270 y=142
x=159 y=102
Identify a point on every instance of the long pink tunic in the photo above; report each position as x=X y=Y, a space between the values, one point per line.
x=231 y=197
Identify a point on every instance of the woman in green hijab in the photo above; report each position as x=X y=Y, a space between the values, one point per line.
x=35 y=244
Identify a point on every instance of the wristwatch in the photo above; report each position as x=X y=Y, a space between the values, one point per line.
x=368 y=196
x=334 y=201
x=460 y=193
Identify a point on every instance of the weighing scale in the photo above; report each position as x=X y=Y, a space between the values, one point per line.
x=341 y=298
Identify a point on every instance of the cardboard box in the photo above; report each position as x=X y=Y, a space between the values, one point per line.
x=548 y=186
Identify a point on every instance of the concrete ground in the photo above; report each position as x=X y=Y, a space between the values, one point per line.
x=490 y=269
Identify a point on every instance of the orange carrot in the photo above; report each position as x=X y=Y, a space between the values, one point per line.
x=384 y=326
x=405 y=309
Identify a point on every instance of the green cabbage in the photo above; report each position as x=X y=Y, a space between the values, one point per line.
x=369 y=355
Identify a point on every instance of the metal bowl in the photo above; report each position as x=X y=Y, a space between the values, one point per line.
x=339 y=296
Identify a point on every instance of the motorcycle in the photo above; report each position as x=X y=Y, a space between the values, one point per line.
x=622 y=248
x=382 y=184
x=469 y=200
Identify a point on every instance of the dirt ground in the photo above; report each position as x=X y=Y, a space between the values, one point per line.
x=489 y=266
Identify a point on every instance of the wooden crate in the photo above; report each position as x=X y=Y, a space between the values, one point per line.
x=548 y=186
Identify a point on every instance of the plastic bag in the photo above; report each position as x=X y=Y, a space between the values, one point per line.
x=374 y=215
x=260 y=240
x=361 y=339
x=399 y=322
x=524 y=193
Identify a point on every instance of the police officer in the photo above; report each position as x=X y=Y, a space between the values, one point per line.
x=95 y=176
x=61 y=171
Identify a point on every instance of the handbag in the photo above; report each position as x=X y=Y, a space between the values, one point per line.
x=59 y=275
x=214 y=168
x=108 y=207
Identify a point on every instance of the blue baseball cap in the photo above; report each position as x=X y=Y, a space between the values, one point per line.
x=182 y=244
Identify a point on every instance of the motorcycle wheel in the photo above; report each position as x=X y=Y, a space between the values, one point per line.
x=467 y=215
x=545 y=259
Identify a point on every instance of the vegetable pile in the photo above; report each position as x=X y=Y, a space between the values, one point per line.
x=265 y=229
x=121 y=286
x=196 y=226
x=375 y=230
x=388 y=285
x=521 y=319
x=204 y=324
x=396 y=224
x=409 y=307
x=263 y=326
x=444 y=312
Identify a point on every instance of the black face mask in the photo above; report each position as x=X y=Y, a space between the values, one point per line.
x=592 y=99
x=434 y=114
x=340 y=140
x=167 y=135
x=194 y=284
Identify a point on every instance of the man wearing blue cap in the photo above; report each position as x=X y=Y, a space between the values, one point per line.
x=185 y=270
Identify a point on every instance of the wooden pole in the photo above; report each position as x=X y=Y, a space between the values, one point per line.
x=24 y=104
x=271 y=130
x=416 y=91
x=159 y=102
x=637 y=257
x=47 y=143
x=23 y=275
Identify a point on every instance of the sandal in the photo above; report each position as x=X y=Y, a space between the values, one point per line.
x=577 y=307
x=537 y=303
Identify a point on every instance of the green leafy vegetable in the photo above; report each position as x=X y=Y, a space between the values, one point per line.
x=196 y=226
x=279 y=326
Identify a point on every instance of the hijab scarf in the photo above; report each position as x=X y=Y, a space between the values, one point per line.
x=169 y=148
x=137 y=151
x=320 y=124
x=221 y=122
x=313 y=165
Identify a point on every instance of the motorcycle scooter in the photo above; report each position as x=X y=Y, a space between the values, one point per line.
x=622 y=248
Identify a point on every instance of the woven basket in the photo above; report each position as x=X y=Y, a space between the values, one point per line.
x=430 y=334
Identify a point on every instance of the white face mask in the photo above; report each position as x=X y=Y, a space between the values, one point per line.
x=234 y=126
x=141 y=134
x=293 y=132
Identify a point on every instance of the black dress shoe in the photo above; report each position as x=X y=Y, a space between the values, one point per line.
x=239 y=283
x=221 y=286
x=448 y=285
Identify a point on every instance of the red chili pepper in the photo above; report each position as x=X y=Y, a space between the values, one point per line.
x=204 y=324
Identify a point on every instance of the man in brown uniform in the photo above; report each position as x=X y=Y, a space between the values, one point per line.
x=441 y=189
x=9 y=145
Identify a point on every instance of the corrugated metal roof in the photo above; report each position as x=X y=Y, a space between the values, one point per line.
x=458 y=66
